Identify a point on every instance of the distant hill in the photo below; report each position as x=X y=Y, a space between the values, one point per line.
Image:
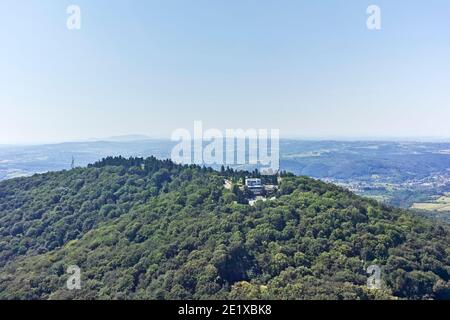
x=126 y=138
x=150 y=229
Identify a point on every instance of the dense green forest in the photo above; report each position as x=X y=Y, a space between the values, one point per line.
x=151 y=229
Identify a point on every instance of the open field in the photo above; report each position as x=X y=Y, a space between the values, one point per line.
x=440 y=204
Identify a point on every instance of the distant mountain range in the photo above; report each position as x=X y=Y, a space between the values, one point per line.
x=125 y=138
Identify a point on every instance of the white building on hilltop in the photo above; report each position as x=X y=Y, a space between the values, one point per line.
x=254 y=185
x=253 y=182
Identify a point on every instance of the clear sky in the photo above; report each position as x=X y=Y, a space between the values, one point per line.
x=308 y=68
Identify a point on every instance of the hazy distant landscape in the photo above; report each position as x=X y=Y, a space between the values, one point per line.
x=405 y=174
x=227 y=151
x=17 y=161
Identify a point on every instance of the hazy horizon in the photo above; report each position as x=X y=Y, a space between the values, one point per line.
x=141 y=137
x=313 y=70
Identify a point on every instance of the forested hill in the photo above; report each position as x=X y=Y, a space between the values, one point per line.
x=150 y=229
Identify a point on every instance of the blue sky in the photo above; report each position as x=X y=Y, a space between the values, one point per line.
x=309 y=68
